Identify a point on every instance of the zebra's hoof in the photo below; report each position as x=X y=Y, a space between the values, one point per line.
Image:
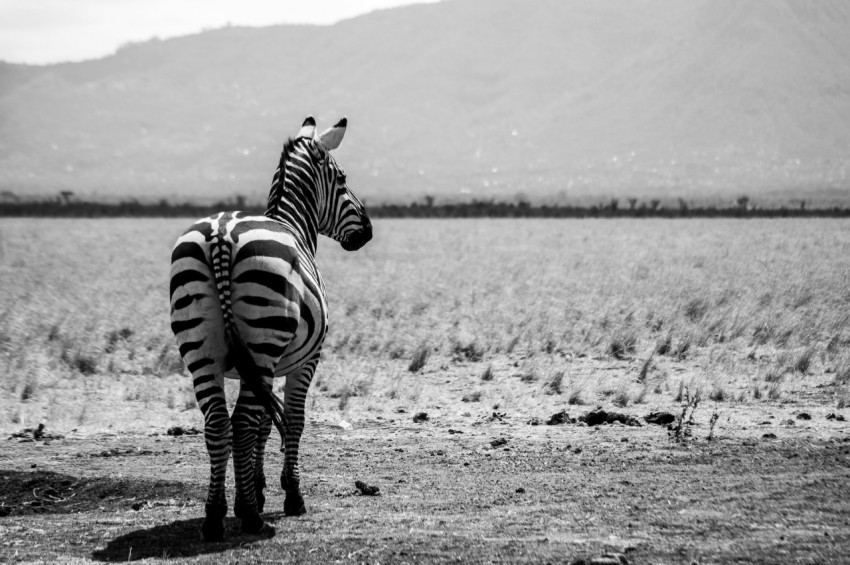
x=213 y=529
x=255 y=525
x=293 y=505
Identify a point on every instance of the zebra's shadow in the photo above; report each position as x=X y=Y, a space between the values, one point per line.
x=177 y=539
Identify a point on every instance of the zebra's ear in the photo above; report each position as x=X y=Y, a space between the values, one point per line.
x=332 y=137
x=308 y=128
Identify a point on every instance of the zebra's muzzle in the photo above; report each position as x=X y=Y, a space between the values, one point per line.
x=357 y=239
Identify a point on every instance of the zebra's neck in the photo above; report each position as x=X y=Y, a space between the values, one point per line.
x=292 y=215
x=292 y=198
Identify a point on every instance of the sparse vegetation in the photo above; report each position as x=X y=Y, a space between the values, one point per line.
x=104 y=327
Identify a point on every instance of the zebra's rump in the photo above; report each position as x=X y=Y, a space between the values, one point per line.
x=245 y=276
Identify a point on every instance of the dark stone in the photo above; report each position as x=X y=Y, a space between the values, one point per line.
x=659 y=418
x=558 y=418
x=804 y=416
x=366 y=489
x=420 y=417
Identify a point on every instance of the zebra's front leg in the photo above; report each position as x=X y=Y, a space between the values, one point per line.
x=246 y=420
x=296 y=388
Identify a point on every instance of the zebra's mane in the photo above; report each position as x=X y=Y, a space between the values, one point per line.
x=277 y=181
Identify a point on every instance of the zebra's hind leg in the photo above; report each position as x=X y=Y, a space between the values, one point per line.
x=246 y=419
x=218 y=435
x=297 y=385
x=259 y=456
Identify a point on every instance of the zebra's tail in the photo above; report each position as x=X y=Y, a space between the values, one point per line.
x=241 y=359
x=238 y=355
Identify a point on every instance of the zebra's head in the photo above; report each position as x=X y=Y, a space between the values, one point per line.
x=309 y=183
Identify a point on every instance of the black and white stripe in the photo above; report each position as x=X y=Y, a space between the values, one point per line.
x=246 y=296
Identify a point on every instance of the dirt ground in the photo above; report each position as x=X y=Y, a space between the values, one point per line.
x=773 y=491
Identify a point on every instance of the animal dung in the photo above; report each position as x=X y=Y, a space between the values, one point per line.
x=366 y=489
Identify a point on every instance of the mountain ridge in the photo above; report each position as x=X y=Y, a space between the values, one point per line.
x=460 y=99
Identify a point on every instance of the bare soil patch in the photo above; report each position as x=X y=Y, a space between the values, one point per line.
x=450 y=489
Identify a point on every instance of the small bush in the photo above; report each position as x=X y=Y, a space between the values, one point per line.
x=472 y=397
x=420 y=358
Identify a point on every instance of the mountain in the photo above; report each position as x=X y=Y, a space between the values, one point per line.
x=564 y=99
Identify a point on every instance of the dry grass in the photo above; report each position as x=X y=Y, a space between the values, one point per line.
x=86 y=342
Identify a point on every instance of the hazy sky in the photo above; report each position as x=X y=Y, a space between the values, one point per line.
x=48 y=31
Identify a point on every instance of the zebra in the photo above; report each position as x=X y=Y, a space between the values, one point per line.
x=246 y=295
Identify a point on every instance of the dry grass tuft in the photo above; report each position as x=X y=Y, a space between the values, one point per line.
x=623 y=343
x=488 y=374
x=718 y=393
x=419 y=359
x=555 y=383
x=574 y=398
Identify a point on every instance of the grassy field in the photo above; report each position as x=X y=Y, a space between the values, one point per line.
x=489 y=327
x=521 y=313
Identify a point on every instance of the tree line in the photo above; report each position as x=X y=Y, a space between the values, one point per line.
x=66 y=206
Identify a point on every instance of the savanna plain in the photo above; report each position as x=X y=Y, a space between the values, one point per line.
x=737 y=328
